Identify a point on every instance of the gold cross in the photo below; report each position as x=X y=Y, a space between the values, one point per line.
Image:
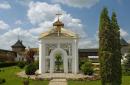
x=58 y=15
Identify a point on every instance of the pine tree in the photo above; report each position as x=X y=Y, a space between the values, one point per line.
x=116 y=59
x=105 y=48
x=109 y=49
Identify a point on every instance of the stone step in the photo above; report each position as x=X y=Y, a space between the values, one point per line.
x=57 y=77
x=61 y=80
x=58 y=82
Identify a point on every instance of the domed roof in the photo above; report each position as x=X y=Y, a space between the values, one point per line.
x=18 y=44
x=58 y=30
x=58 y=23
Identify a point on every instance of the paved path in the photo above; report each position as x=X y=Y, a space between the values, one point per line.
x=53 y=75
x=58 y=82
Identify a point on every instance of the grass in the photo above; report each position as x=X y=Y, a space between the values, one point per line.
x=125 y=81
x=9 y=74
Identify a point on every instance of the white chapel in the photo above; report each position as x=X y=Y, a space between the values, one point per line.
x=58 y=50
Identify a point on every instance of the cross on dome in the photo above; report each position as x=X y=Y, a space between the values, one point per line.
x=58 y=15
x=58 y=24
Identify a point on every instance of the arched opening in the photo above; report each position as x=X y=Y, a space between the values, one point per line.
x=58 y=61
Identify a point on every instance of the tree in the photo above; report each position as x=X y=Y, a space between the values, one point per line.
x=109 y=49
x=29 y=56
x=116 y=59
x=58 y=61
x=105 y=48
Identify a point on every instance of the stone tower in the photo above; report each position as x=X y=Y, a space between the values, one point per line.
x=18 y=47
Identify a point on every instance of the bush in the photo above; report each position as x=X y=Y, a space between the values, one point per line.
x=7 y=64
x=2 y=81
x=87 y=68
x=82 y=61
x=36 y=63
x=21 y=64
x=30 y=69
x=80 y=64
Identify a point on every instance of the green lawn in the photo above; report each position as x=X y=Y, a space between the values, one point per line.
x=11 y=79
x=125 y=81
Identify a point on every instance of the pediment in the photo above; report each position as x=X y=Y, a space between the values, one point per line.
x=63 y=34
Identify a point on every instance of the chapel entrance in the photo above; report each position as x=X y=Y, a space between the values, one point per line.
x=58 y=63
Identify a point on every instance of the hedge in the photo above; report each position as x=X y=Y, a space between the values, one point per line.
x=7 y=64
x=21 y=64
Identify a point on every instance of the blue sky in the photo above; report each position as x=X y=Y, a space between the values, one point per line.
x=28 y=18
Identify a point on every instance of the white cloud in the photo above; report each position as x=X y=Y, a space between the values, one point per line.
x=123 y=33
x=78 y=3
x=88 y=43
x=18 y=22
x=73 y=24
x=45 y=17
x=10 y=37
x=42 y=27
x=5 y=5
x=41 y=11
x=3 y=25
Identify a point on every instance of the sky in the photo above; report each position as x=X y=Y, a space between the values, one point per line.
x=26 y=19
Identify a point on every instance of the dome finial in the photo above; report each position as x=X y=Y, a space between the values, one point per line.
x=58 y=15
x=58 y=24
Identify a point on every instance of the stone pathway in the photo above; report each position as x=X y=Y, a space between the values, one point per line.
x=58 y=82
x=53 y=76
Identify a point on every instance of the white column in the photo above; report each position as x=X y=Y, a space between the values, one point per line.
x=65 y=64
x=75 y=65
x=41 y=57
x=73 y=57
x=76 y=57
x=46 y=63
x=51 y=64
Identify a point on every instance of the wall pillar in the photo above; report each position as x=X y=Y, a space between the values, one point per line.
x=41 y=57
x=65 y=64
x=51 y=64
x=75 y=59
